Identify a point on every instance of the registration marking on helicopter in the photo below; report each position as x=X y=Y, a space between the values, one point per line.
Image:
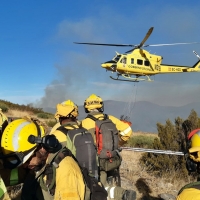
x=143 y=68
x=174 y=69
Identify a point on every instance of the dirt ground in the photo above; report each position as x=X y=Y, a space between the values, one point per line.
x=136 y=178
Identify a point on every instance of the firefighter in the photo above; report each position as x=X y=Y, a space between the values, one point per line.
x=66 y=115
x=95 y=107
x=192 y=190
x=25 y=144
x=13 y=178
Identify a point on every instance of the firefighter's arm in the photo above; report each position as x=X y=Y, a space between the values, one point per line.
x=125 y=130
x=69 y=181
x=124 y=135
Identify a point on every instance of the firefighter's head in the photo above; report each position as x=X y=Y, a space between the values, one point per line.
x=194 y=150
x=93 y=102
x=21 y=138
x=66 y=110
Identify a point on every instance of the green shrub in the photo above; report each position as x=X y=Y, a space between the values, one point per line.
x=43 y=115
x=172 y=136
x=4 y=107
x=141 y=141
x=51 y=123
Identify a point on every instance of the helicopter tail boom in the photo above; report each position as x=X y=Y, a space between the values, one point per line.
x=194 y=68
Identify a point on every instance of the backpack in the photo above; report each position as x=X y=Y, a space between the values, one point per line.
x=81 y=144
x=107 y=143
x=94 y=191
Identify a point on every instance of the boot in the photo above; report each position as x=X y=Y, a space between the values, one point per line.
x=129 y=195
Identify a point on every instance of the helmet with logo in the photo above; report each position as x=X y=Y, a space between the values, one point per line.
x=21 y=138
x=66 y=109
x=194 y=150
x=93 y=102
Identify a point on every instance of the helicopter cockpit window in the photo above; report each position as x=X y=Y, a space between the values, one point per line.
x=132 y=60
x=117 y=58
x=123 y=60
x=146 y=63
x=139 y=62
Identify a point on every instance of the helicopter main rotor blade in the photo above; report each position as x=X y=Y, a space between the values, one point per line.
x=146 y=37
x=117 y=45
x=157 y=45
x=134 y=45
x=144 y=40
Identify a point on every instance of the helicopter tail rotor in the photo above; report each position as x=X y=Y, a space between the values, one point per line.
x=196 y=54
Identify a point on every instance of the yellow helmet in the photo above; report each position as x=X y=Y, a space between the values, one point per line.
x=93 y=102
x=66 y=109
x=194 y=150
x=15 y=142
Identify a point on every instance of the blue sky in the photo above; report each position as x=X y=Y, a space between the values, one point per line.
x=41 y=65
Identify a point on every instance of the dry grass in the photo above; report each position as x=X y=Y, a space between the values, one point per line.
x=145 y=133
x=136 y=178
x=17 y=113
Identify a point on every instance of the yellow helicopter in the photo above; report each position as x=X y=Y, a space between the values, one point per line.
x=138 y=62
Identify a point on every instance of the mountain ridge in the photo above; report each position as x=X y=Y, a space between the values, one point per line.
x=144 y=115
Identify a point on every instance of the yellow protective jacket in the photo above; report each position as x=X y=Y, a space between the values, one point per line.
x=69 y=178
x=69 y=182
x=55 y=127
x=189 y=194
x=124 y=129
x=59 y=134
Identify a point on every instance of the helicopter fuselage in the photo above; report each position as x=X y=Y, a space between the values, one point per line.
x=140 y=62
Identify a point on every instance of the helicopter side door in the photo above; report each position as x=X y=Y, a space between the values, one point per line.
x=122 y=63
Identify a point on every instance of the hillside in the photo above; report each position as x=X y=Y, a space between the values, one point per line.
x=14 y=111
x=145 y=115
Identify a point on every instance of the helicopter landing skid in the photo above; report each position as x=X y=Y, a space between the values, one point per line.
x=118 y=79
x=130 y=79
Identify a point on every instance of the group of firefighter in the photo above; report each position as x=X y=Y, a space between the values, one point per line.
x=40 y=163
x=37 y=163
